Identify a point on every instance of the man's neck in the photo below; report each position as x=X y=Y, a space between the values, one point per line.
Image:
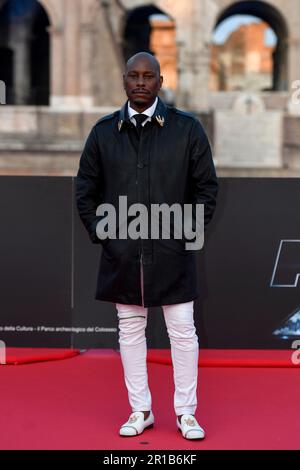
x=142 y=108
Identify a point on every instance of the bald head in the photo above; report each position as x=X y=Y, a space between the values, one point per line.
x=144 y=57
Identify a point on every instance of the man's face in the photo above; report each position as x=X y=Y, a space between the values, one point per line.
x=142 y=83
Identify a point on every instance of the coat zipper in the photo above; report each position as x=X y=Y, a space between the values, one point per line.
x=141 y=257
x=142 y=278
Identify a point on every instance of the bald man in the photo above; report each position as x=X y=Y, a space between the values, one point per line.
x=152 y=154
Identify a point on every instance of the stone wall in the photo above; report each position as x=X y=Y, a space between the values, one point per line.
x=86 y=72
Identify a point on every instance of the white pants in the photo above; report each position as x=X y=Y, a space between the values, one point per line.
x=179 y=320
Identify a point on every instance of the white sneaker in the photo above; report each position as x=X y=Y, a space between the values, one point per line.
x=136 y=424
x=189 y=427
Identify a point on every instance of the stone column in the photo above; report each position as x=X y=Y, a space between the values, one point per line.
x=72 y=53
x=198 y=98
x=70 y=48
x=194 y=56
x=202 y=25
x=20 y=42
x=294 y=76
x=56 y=38
x=293 y=61
x=193 y=69
x=184 y=75
x=86 y=88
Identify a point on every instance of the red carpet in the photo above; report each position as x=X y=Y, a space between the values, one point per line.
x=207 y=357
x=25 y=355
x=64 y=404
x=232 y=357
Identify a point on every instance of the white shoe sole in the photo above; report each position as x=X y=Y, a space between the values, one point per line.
x=133 y=429
x=192 y=438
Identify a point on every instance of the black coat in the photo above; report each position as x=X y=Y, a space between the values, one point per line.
x=172 y=163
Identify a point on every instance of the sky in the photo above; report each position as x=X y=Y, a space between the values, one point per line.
x=230 y=24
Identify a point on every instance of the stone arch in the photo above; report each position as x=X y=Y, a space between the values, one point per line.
x=275 y=18
x=155 y=35
x=24 y=42
x=48 y=7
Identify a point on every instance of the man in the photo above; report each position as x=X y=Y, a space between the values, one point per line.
x=152 y=154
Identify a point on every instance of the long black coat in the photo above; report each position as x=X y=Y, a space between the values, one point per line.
x=171 y=163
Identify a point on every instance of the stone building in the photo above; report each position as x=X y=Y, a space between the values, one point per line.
x=62 y=62
x=244 y=61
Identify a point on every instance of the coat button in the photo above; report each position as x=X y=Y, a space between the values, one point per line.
x=140 y=165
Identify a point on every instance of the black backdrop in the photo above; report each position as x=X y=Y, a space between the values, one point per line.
x=48 y=268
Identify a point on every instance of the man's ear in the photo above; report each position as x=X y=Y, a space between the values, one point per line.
x=124 y=82
x=161 y=79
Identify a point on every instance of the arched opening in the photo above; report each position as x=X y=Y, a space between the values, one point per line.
x=149 y=29
x=24 y=52
x=246 y=49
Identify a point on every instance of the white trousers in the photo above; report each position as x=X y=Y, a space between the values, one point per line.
x=179 y=319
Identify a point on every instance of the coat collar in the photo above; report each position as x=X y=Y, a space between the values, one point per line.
x=159 y=115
